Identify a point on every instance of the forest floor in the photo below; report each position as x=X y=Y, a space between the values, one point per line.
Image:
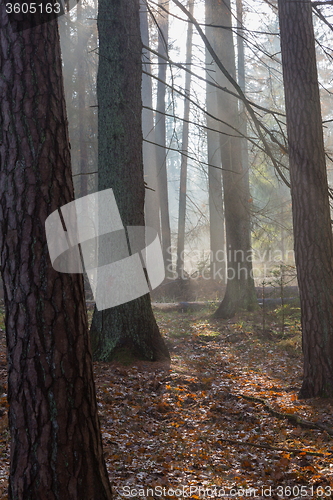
x=222 y=420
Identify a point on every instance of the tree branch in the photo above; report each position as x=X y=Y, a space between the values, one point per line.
x=241 y=94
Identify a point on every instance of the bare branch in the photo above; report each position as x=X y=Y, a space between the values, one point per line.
x=257 y=123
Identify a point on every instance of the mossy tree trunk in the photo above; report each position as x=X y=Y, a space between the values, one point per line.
x=313 y=240
x=131 y=326
x=56 y=447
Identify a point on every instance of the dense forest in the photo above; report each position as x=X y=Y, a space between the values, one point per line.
x=166 y=249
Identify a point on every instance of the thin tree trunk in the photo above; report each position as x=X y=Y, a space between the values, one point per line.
x=93 y=178
x=241 y=83
x=129 y=329
x=160 y=136
x=56 y=447
x=242 y=113
x=152 y=203
x=313 y=240
x=81 y=44
x=240 y=291
x=183 y=168
x=64 y=30
x=216 y=212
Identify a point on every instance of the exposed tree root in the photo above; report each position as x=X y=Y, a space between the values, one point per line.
x=275 y=448
x=296 y=419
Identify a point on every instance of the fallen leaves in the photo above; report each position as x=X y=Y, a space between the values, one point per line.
x=190 y=425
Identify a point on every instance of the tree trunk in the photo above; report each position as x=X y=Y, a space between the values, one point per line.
x=240 y=291
x=183 y=168
x=56 y=447
x=160 y=136
x=309 y=192
x=152 y=204
x=216 y=213
x=242 y=112
x=129 y=329
x=81 y=76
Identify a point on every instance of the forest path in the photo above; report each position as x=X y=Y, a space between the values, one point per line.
x=182 y=425
x=186 y=425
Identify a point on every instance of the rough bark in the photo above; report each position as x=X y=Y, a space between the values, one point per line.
x=183 y=167
x=310 y=205
x=152 y=203
x=240 y=291
x=130 y=327
x=56 y=448
x=216 y=211
x=160 y=136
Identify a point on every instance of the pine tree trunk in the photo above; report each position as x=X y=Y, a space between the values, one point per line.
x=309 y=192
x=242 y=113
x=160 y=136
x=56 y=448
x=82 y=39
x=183 y=168
x=240 y=291
x=152 y=203
x=129 y=329
x=216 y=212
